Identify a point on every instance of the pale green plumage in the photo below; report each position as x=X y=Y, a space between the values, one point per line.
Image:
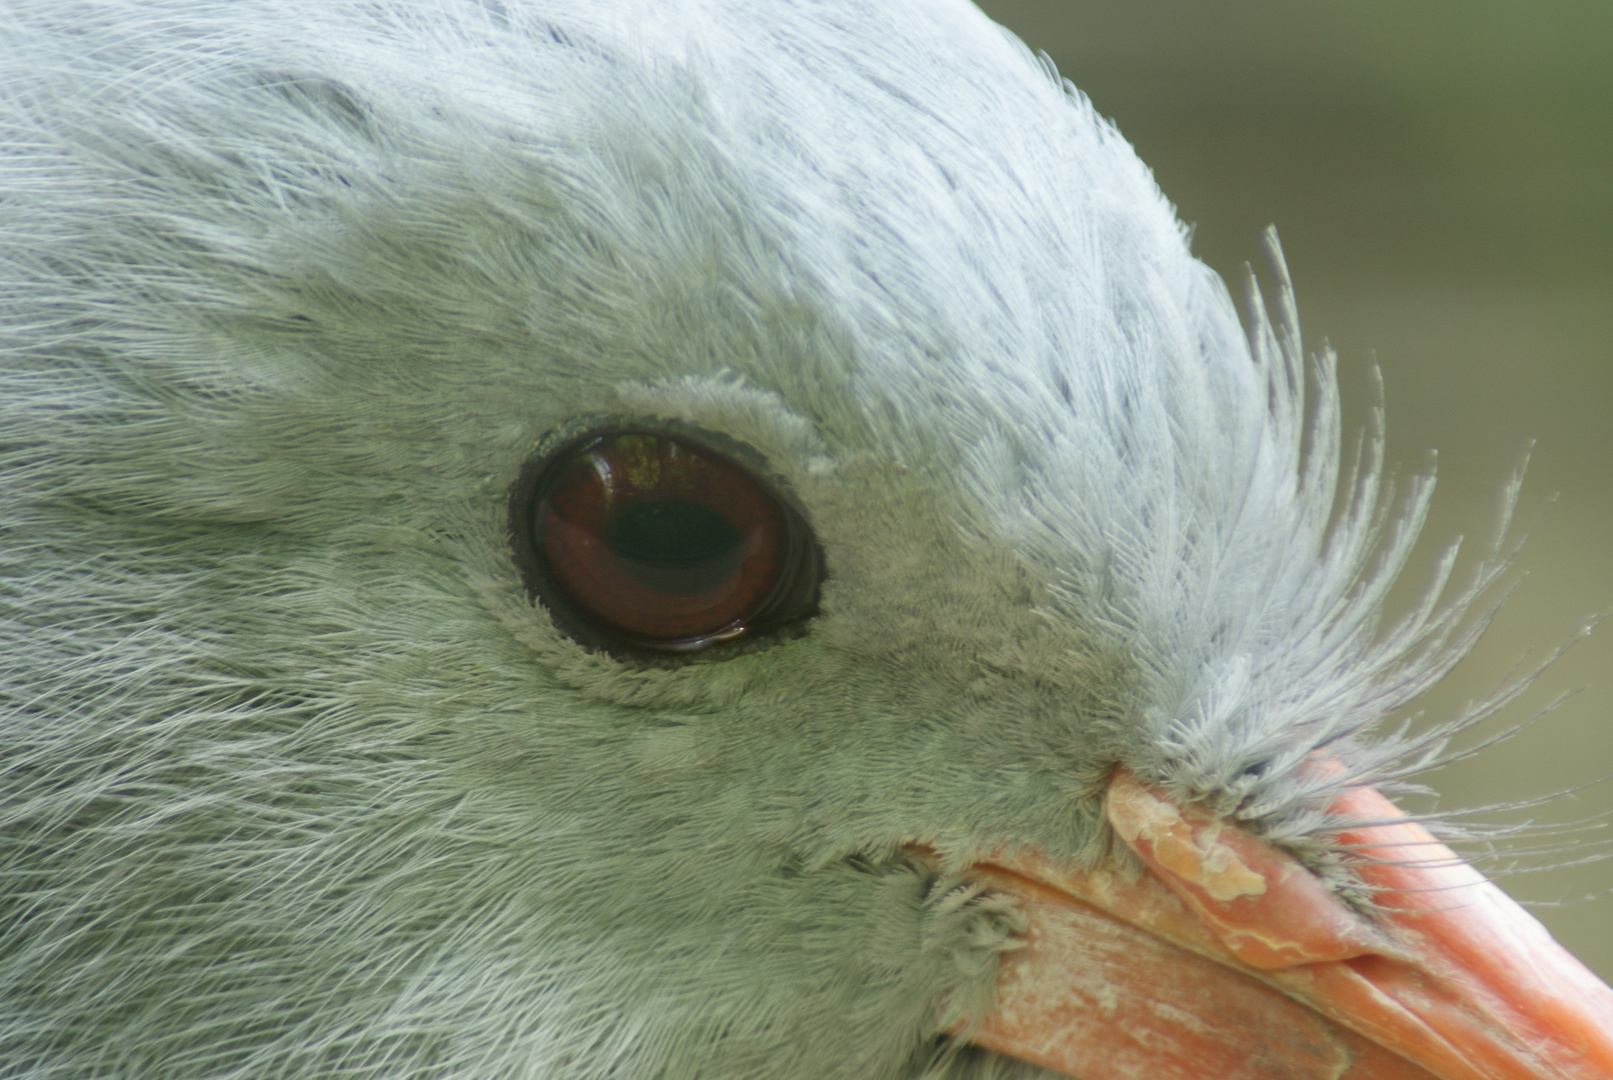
x=298 y=782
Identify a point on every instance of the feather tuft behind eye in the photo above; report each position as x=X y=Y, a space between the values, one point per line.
x=652 y=541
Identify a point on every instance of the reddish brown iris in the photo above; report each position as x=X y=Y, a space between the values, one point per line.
x=661 y=542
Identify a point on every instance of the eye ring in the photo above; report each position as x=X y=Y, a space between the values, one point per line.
x=661 y=540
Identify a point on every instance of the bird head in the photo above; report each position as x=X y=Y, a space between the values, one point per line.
x=689 y=540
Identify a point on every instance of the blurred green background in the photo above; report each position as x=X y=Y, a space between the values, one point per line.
x=1441 y=175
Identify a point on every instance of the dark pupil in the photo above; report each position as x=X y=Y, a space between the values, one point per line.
x=675 y=546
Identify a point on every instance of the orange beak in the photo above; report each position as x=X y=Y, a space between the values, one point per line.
x=1227 y=958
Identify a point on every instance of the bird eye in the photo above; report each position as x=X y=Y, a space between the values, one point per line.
x=658 y=542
